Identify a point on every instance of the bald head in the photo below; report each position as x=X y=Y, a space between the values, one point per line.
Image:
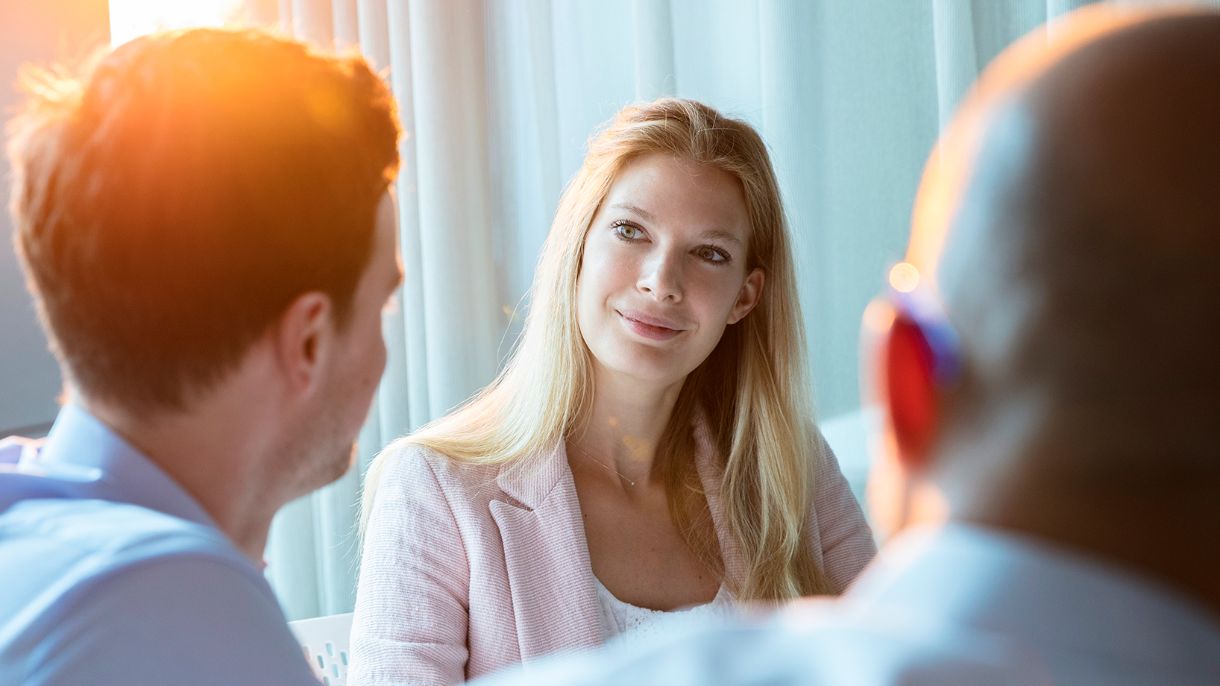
x=1072 y=220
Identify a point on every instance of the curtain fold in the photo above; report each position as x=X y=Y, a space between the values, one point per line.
x=527 y=166
x=652 y=24
x=956 y=58
x=461 y=320
x=410 y=309
x=346 y=28
x=789 y=66
x=313 y=21
x=498 y=98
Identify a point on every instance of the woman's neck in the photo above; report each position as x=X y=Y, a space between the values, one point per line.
x=625 y=425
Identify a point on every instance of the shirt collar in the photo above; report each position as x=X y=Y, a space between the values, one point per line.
x=80 y=447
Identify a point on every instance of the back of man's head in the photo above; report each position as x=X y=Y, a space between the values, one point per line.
x=1081 y=269
x=175 y=199
x=1070 y=222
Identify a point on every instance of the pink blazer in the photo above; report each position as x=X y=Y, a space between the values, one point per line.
x=468 y=569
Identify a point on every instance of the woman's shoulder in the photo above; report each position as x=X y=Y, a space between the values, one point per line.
x=409 y=464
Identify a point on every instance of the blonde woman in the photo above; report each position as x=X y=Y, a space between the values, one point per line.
x=649 y=448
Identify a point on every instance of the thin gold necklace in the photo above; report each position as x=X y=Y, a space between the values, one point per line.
x=606 y=467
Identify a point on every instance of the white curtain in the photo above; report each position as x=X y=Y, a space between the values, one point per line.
x=498 y=98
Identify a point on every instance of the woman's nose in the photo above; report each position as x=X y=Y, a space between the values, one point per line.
x=661 y=277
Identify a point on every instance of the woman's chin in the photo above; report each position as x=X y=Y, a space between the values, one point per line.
x=659 y=372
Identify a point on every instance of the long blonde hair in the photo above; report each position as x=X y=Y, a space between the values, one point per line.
x=753 y=387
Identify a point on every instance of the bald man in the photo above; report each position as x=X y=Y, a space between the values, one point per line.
x=1048 y=363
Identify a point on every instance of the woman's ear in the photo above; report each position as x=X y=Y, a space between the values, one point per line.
x=909 y=392
x=748 y=297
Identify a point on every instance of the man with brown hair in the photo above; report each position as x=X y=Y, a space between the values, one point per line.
x=205 y=225
x=1048 y=362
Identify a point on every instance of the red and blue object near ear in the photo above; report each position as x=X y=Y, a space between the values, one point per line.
x=921 y=354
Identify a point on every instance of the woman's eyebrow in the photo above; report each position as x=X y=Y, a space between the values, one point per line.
x=637 y=210
x=722 y=235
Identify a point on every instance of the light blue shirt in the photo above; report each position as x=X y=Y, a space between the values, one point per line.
x=953 y=606
x=111 y=573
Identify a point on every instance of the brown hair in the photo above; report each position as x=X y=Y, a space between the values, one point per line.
x=173 y=199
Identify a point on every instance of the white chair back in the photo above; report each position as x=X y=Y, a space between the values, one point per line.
x=850 y=436
x=324 y=640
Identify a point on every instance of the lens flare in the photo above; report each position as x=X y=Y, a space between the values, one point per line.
x=134 y=18
x=904 y=277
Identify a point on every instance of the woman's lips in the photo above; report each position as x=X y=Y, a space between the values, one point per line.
x=649 y=327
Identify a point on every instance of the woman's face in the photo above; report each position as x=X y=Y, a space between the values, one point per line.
x=664 y=269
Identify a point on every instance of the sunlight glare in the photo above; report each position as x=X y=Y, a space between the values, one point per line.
x=134 y=18
x=904 y=277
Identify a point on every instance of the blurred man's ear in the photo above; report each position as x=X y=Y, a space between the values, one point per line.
x=903 y=384
x=909 y=392
x=302 y=338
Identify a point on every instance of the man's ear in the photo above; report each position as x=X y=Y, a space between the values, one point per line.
x=910 y=392
x=749 y=295
x=302 y=338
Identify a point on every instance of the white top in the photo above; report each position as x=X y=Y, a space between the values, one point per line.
x=954 y=605
x=621 y=618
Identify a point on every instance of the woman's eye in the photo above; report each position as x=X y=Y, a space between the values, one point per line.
x=628 y=232
x=712 y=254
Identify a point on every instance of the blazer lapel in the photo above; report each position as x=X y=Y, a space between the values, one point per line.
x=547 y=557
